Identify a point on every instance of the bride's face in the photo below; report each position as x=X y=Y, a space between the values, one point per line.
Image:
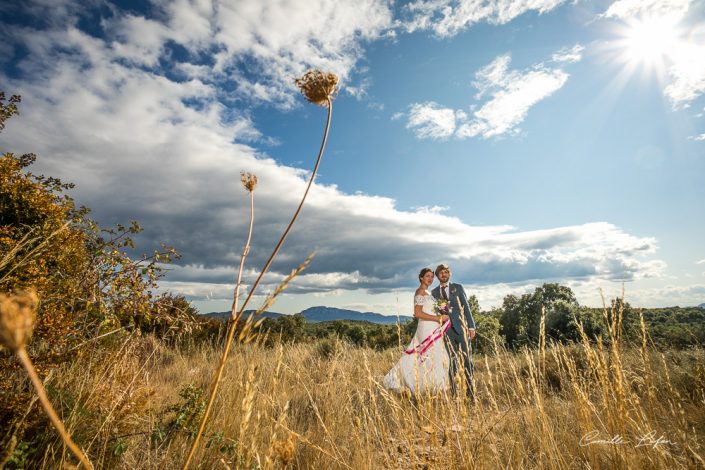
x=427 y=279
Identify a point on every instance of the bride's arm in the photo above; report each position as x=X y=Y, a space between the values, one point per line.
x=421 y=315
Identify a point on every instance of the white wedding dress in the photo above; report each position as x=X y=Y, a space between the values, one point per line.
x=421 y=372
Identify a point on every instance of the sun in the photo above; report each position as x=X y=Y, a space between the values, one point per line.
x=650 y=42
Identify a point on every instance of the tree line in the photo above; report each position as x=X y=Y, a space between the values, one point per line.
x=517 y=323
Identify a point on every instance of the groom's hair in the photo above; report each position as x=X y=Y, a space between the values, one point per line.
x=441 y=267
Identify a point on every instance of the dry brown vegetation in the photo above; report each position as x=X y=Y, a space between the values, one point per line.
x=137 y=405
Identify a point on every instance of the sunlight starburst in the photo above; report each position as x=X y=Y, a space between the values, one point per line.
x=650 y=41
x=646 y=46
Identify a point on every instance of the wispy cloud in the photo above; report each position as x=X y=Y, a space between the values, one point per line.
x=628 y=9
x=511 y=93
x=449 y=17
x=431 y=121
x=570 y=55
x=697 y=137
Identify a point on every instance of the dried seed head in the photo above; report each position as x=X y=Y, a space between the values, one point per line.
x=318 y=86
x=249 y=180
x=17 y=314
x=285 y=449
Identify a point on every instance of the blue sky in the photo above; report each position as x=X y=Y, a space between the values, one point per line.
x=520 y=142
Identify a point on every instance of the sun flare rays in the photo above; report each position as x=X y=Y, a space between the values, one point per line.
x=651 y=41
x=650 y=46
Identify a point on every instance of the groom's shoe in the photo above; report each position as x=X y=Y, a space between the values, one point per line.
x=470 y=394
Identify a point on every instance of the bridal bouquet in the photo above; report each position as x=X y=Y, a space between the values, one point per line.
x=442 y=307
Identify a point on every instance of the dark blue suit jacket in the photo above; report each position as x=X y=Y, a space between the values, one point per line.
x=460 y=306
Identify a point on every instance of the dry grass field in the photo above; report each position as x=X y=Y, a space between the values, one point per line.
x=136 y=404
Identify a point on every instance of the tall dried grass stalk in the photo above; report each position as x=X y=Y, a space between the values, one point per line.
x=542 y=343
x=249 y=181
x=247 y=403
x=319 y=88
x=648 y=370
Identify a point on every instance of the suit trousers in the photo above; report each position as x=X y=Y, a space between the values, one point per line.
x=460 y=352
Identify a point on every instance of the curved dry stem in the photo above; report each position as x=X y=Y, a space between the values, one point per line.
x=46 y=404
x=296 y=214
x=236 y=318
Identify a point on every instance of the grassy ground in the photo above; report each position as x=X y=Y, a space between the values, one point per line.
x=321 y=405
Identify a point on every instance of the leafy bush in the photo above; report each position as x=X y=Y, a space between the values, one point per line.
x=88 y=282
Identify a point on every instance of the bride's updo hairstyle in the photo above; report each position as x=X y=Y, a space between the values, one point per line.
x=423 y=273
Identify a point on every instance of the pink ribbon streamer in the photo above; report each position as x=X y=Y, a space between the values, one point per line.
x=426 y=344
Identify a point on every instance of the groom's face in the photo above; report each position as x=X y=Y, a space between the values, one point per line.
x=443 y=276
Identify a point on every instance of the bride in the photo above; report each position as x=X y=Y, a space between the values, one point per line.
x=424 y=364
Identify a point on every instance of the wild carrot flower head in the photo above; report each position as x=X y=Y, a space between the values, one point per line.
x=17 y=315
x=318 y=86
x=249 y=180
x=285 y=450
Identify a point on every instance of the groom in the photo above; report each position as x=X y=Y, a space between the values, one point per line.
x=462 y=329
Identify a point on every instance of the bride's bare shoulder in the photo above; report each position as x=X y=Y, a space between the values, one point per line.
x=420 y=291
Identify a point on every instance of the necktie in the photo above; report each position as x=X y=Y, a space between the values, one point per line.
x=444 y=295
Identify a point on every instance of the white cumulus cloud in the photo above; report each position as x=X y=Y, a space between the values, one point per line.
x=687 y=73
x=277 y=39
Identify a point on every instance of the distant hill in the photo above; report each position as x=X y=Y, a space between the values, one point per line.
x=320 y=314
x=701 y=306
x=226 y=315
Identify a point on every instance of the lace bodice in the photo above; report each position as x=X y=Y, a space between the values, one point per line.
x=427 y=303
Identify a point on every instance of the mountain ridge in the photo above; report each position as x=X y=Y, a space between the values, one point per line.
x=321 y=313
